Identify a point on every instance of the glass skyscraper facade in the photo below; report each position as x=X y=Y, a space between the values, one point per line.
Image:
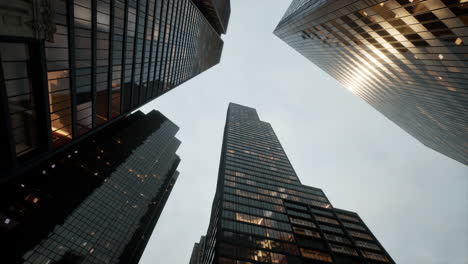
x=263 y=214
x=406 y=58
x=98 y=202
x=217 y=12
x=95 y=62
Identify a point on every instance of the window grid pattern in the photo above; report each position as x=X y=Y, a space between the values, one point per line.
x=16 y=67
x=125 y=54
x=261 y=206
x=58 y=78
x=100 y=228
x=405 y=58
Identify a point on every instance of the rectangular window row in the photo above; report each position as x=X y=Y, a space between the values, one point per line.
x=349 y=218
x=252 y=145
x=336 y=238
x=252 y=254
x=360 y=235
x=374 y=256
x=256 y=230
x=265 y=192
x=259 y=160
x=296 y=206
x=240 y=172
x=261 y=243
x=317 y=255
x=326 y=220
x=241 y=146
x=254 y=140
x=343 y=249
x=306 y=232
x=358 y=227
x=331 y=229
x=252 y=167
x=260 y=165
x=298 y=221
x=300 y=214
x=256 y=220
x=254 y=203
x=368 y=245
x=254 y=211
x=264 y=156
x=253 y=195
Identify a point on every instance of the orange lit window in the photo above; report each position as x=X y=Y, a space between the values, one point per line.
x=313 y=254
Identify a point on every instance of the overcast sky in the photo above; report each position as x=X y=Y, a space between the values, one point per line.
x=413 y=199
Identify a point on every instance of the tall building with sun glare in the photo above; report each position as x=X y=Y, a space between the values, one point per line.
x=406 y=58
x=261 y=212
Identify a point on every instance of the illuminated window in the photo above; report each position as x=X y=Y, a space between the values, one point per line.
x=314 y=254
x=306 y=232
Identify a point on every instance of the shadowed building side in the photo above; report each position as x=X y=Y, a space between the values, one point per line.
x=96 y=203
x=71 y=68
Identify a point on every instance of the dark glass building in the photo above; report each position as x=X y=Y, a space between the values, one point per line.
x=71 y=67
x=263 y=214
x=198 y=251
x=97 y=202
x=406 y=58
x=217 y=12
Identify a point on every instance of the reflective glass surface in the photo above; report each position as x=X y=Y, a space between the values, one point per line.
x=263 y=214
x=95 y=203
x=408 y=59
x=124 y=54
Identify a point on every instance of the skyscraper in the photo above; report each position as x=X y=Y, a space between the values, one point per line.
x=263 y=214
x=408 y=59
x=198 y=251
x=71 y=67
x=97 y=202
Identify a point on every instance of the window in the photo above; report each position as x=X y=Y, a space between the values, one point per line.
x=252 y=254
x=364 y=244
x=343 y=249
x=301 y=222
x=332 y=229
x=358 y=227
x=374 y=256
x=314 y=254
x=327 y=220
x=306 y=232
x=19 y=85
x=350 y=218
x=360 y=235
x=337 y=238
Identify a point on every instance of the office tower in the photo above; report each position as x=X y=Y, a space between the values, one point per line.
x=97 y=202
x=217 y=12
x=407 y=59
x=263 y=214
x=70 y=67
x=197 y=252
